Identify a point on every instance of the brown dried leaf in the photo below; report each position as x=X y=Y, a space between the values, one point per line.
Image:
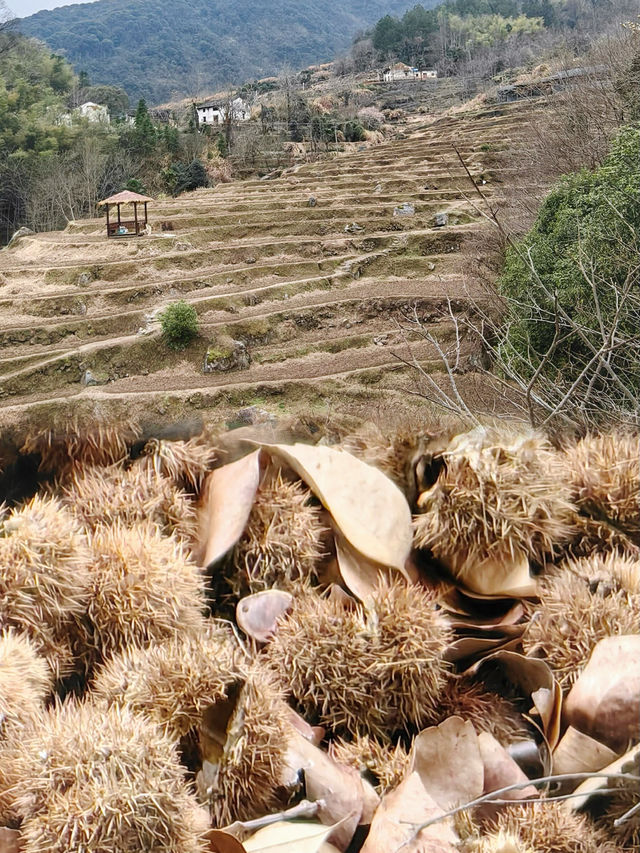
x=257 y=614
x=227 y=498
x=533 y=677
x=579 y=753
x=338 y=787
x=447 y=759
x=495 y=578
x=371 y=512
x=627 y=763
x=400 y=812
x=9 y=840
x=223 y=842
x=500 y=770
x=360 y=575
x=605 y=700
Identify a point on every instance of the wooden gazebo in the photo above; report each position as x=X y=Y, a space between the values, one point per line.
x=126 y=227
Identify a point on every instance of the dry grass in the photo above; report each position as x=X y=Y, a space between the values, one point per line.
x=283 y=540
x=498 y=497
x=90 y=779
x=143 y=589
x=363 y=672
x=44 y=584
x=172 y=682
x=100 y=496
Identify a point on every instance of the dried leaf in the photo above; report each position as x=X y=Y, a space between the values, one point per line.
x=257 y=614
x=447 y=759
x=338 y=787
x=605 y=700
x=500 y=770
x=360 y=575
x=9 y=840
x=227 y=498
x=213 y=730
x=289 y=837
x=223 y=842
x=495 y=578
x=400 y=812
x=627 y=763
x=533 y=677
x=371 y=512
x=579 y=753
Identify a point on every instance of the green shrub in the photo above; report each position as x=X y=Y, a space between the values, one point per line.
x=179 y=323
x=572 y=284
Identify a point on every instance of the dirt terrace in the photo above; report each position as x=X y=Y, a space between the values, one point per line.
x=305 y=274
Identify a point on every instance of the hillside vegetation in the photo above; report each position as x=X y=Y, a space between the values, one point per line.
x=157 y=48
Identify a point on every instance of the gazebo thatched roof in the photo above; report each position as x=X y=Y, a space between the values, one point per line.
x=125 y=197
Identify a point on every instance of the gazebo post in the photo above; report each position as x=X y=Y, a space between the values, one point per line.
x=146 y=221
x=108 y=234
x=135 y=216
x=118 y=215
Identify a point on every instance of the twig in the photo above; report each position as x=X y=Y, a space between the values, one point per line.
x=543 y=780
x=625 y=817
x=304 y=809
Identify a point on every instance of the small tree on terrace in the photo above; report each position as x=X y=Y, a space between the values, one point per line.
x=179 y=322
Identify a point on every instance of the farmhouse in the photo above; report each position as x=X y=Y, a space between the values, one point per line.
x=400 y=71
x=217 y=112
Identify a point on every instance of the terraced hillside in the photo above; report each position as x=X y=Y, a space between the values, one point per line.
x=296 y=282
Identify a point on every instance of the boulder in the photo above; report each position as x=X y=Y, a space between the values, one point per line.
x=405 y=209
x=440 y=220
x=230 y=355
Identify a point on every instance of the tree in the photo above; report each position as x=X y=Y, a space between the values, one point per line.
x=145 y=134
x=179 y=322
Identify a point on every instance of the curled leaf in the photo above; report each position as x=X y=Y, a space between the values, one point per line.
x=227 y=498
x=257 y=614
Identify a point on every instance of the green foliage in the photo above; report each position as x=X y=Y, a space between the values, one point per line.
x=157 y=48
x=135 y=185
x=145 y=132
x=113 y=97
x=179 y=322
x=581 y=256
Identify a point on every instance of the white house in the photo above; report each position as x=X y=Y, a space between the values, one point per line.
x=93 y=112
x=216 y=113
x=400 y=71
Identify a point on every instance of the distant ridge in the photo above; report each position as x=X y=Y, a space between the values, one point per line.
x=161 y=48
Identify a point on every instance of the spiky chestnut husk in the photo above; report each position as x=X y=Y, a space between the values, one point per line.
x=44 y=583
x=626 y=836
x=107 y=777
x=75 y=443
x=171 y=682
x=499 y=497
x=103 y=496
x=185 y=463
x=283 y=540
x=544 y=827
x=143 y=588
x=372 y=672
x=604 y=471
x=573 y=616
x=388 y=764
x=488 y=711
x=609 y=571
x=25 y=681
x=248 y=782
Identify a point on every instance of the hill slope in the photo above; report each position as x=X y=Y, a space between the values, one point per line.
x=157 y=48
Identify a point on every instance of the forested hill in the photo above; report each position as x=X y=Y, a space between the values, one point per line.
x=155 y=48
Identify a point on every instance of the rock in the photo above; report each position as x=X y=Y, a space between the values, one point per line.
x=312 y=201
x=431 y=266
x=440 y=220
x=353 y=228
x=183 y=246
x=91 y=379
x=405 y=209
x=381 y=340
x=250 y=260
x=21 y=232
x=231 y=355
x=377 y=189
x=252 y=415
x=84 y=278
